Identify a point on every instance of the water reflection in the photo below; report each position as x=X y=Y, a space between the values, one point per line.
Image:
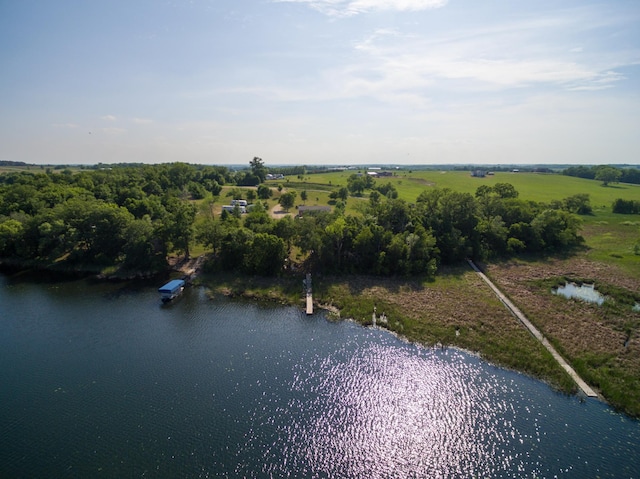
x=585 y=292
x=379 y=412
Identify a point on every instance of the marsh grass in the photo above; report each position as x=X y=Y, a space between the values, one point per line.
x=602 y=343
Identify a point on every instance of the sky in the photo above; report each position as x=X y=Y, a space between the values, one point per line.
x=320 y=82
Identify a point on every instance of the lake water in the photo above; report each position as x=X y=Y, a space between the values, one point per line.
x=100 y=380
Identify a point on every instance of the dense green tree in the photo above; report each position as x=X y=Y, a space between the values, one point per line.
x=505 y=190
x=178 y=225
x=557 y=229
x=264 y=192
x=287 y=200
x=388 y=190
x=139 y=249
x=285 y=228
x=493 y=235
x=578 y=204
x=135 y=215
x=209 y=233
x=258 y=219
x=248 y=179
x=630 y=175
x=393 y=215
x=310 y=231
x=452 y=217
x=10 y=234
x=212 y=186
x=196 y=190
x=528 y=238
x=258 y=168
x=628 y=207
x=180 y=174
x=265 y=255
x=234 y=245
x=356 y=184
x=236 y=193
x=608 y=174
x=580 y=172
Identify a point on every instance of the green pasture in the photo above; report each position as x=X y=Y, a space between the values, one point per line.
x=531 y=186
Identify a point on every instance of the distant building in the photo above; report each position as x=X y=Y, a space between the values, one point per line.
x=478 y=173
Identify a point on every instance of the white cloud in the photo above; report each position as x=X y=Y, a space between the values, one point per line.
x=347 y=8
x=108 y=118
x=601 y=81
x=477 y=60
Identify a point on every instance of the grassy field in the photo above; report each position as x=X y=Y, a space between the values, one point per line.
x=531 y=186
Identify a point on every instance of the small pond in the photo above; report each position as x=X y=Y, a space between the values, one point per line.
x=585 y=292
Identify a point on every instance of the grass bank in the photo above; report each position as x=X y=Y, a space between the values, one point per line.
x=283 y=290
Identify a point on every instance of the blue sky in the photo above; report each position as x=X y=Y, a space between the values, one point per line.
x=320 y=81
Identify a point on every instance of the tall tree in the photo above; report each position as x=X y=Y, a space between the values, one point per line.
x=287 y=200
x=608 y=174
x=258 y=168
x=266 y=255
x=179 y=224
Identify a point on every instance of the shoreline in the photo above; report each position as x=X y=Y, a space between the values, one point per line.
x=457 y=309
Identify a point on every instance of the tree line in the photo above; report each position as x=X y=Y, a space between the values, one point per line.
x=133 y=217
x=605 y=173
x=389 y=236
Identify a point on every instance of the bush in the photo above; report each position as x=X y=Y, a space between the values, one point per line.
x=626 y=207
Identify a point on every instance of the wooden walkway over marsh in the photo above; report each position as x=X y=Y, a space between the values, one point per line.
x=533 y=330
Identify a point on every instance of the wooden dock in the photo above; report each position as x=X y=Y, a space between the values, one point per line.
x=535 y=332
x=307 y=284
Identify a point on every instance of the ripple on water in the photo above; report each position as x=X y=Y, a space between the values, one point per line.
x=376 y=411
